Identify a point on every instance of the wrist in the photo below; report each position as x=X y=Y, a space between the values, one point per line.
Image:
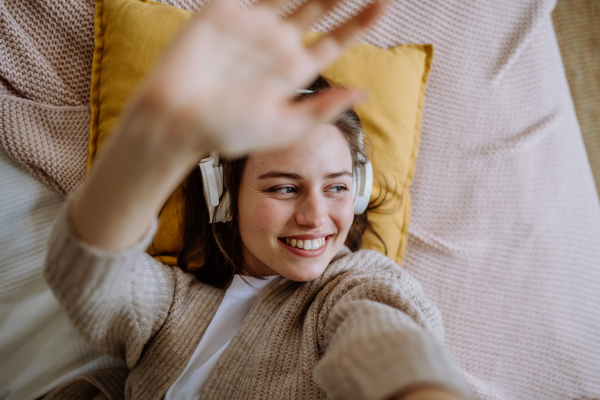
x=158 y=142
x=130 y=181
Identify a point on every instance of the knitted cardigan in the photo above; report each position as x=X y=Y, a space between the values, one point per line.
x=362 y=330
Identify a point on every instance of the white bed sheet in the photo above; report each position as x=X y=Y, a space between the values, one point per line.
x=38 y=346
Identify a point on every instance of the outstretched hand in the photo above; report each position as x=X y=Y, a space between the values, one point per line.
x=230 y=77
x=227 y=83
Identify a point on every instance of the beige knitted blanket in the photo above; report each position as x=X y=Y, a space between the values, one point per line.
x=45 y=60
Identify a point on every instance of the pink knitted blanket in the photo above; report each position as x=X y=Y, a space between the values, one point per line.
x=505 y=224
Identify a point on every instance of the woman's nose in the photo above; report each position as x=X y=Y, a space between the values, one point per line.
x=312 y=211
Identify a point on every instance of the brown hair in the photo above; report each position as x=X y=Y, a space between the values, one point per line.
x=213 y=252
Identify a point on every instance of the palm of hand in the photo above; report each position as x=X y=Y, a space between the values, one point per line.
x=229 y=78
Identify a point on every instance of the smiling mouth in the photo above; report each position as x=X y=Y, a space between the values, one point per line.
x=307 y=244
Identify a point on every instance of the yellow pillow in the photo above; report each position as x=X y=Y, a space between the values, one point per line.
x=131 y=34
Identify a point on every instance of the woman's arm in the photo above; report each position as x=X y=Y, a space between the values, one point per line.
x=226 y=84
x=382 y=338
x=116 y=300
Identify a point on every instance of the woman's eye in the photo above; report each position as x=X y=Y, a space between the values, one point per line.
x=283 y=190
x=337 y=188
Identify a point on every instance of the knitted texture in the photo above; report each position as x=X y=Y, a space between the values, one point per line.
x=98 y=386
x=364 y=323
x=505 y=221
x=45 y=56
x=578 y=34
x=51 y=141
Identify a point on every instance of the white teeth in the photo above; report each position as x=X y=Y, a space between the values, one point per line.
x=306 y=244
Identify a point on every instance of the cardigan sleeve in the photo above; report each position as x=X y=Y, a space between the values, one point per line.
x=116 y=300
x=381 y=335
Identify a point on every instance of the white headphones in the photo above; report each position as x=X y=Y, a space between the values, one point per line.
x=362 y=182
x=212 y=181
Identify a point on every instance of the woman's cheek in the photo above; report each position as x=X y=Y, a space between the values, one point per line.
x=343 y=214
x=270 y=215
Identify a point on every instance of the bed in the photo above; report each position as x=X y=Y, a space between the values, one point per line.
x=505 y=224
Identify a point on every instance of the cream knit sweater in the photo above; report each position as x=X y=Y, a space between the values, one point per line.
x=363 y=330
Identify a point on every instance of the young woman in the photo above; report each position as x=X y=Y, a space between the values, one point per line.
x=274 y=306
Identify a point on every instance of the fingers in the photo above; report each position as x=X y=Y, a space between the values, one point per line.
x=301 y=116
x=327 y=48
x=275 y=5
x=309 y=12
x=326 y=105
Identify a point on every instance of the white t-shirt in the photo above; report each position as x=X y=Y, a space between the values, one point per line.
x=238 y=300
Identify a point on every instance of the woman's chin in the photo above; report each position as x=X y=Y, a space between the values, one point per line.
x=303 y=273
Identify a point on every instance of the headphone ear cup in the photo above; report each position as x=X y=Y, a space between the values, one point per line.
x=223 y=214
x=355 y=180
x=209 y=186
x=362 y=185
x=212 y=183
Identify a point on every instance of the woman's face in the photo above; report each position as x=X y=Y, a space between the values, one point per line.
x=293 y=195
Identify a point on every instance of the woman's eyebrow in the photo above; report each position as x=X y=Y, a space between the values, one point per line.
x=334 y=175
x=289 y=175
x=279 y=174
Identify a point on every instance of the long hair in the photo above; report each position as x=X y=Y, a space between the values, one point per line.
x=213 y=252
